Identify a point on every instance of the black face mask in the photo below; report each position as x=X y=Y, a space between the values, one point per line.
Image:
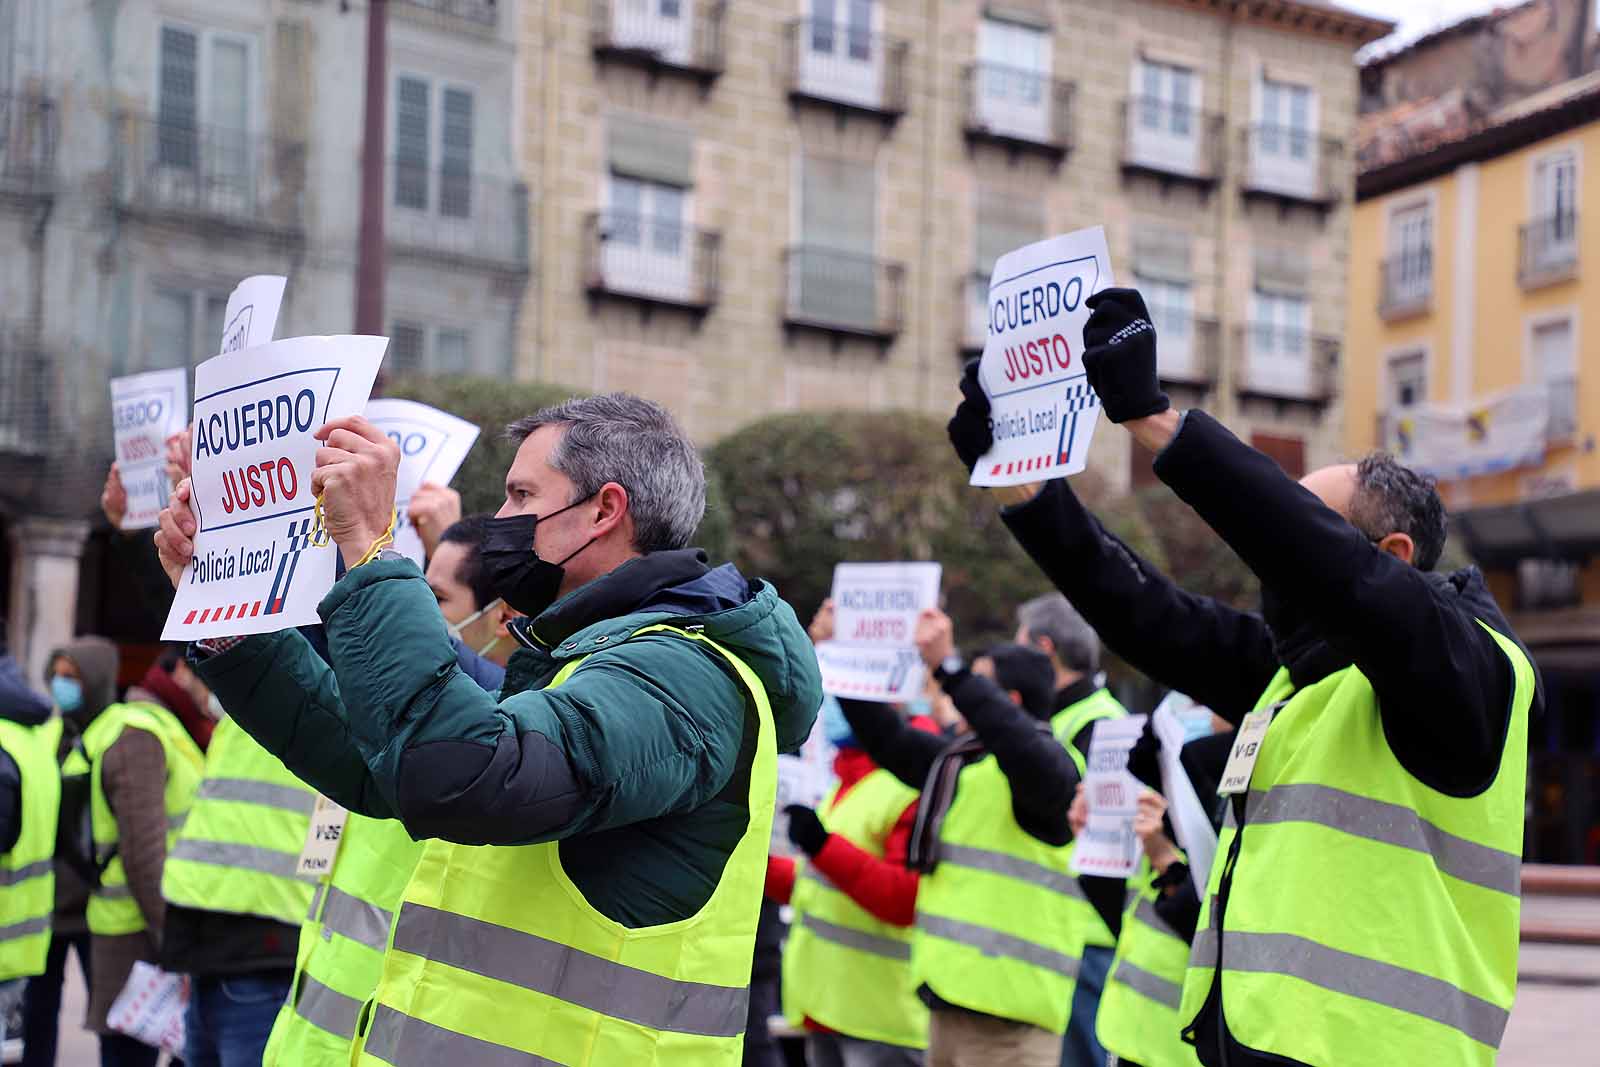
x=514 y=570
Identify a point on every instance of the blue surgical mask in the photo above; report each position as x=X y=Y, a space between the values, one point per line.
x=1196 y=724
x=834 y=725
x=67 y=693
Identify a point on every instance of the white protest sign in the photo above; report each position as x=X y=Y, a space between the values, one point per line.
x=432 y=446
x=150 y=1008
x=252 y=313
x=1190 y=822
x=146 y=409
x=803 y=778
x=259 y=564
x=872 y=655
x=1108 y=847
x=1044 y=413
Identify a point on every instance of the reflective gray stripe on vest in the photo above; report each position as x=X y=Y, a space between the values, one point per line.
x=1392 y=824
x=119 y=891
x=811 y=874
x=570 y=974
x=354 y=918
x=1203 y=950
x=1153 y=986
x=873 y=944
x=244 y=857
x=1146 y=913
x=403 y=1041
x=316 y=902
x=983 y=859
x=26 y=928
x=17 y=875
x=266 y=794
x=327 y=1009
x=175 y=822
x=995 y=943
x=1366 y=979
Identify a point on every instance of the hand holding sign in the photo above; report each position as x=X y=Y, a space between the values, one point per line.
x=1120 y=356
x=936 y=637
x=355 y=477
x=174 y=537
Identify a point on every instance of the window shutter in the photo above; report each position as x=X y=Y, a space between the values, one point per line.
x=177 y=110
x=837 y=274
x=1006 y=221
x=455 y=162
x=1281 y=270
x=411 y=143
x=650 y=151
x=1161 y=253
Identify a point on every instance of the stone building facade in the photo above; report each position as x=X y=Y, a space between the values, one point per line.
x=749 y=207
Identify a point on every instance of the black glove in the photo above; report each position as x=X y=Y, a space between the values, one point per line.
x=805 y=829
x=969 y=428
x=1119 y=356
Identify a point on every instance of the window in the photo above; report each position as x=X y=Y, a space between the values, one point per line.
x=1281 y=323
x=661 y=26
x=840 y=58
x=452 y=351
x=1015 y=61
x=1408 y=380
x=846 y=22
x=1171 y=305
x=203 y=81
x=1556 y=197
x=1166 y=98
x=834 y=276
x=1557 y=370
x=1286 y=120
x=431 y=124
x=182 y=327
x=647 y=246
x=646 y=215
x=1411 y=241
x=405 y=348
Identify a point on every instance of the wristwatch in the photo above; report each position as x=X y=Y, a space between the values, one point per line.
x=949 y=668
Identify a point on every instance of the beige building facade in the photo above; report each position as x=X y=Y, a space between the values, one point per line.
x=741 y=208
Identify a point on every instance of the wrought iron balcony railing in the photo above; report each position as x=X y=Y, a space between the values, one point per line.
x=635 y=31
x=206 y=174
x=446 y=212
x=1287 y=364
x=654 y=261
x=1548 y=250
x=1405 y=284
x=843 y=292
x=1170 y=141
x=843 y=64
x=1293 y=165
x=1019 y=107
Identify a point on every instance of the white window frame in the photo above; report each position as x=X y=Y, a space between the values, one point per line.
x=1419 y=286
x=643 y=268
x=1292 y=379
x=836 y=75
x=1554 y=253
x=205 y=37
x=435 y=170
x=1421 y=352
x=1177 y=347
x=1533 y=374
x=640 y=24
x=1160 y=146
x=429 y=356
x=1279 y=170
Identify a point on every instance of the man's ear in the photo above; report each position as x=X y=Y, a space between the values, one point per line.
x=1400 y=546
x=613 y=509
x=503 y=616
x=1045 y=645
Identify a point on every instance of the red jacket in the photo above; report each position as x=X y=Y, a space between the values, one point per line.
x=884 y=888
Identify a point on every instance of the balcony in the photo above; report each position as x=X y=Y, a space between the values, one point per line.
x=445 y=213
x=1292 y=166
x=1405 y=285
x=1019 y=108
x=1187 y=351
x=211 y=175
x=1562 y=423
x=846 y=66
x=635 y=32
x=1286 y=364
x=1172 y=143
x=843 y=293
x=1548 y=251
x=28 y=131
x=30 y=398
x=653 y=261
x=483 y=14
x=974 y=313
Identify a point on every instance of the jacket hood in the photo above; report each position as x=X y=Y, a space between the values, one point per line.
x=747 y=617
x=96 y=659
x=1469 y=585
x=18 y=702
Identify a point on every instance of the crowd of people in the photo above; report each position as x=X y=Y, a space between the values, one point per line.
x=549 y=759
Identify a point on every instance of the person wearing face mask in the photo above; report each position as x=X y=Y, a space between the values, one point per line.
x=1363 y=906
x=342 y=936
x=141 y=769
x=596 y=837
x=846 y=967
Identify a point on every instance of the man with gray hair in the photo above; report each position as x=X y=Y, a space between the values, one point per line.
x=1052 y=625
x=596 y=837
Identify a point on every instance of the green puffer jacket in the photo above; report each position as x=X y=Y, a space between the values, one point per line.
x=638 y=765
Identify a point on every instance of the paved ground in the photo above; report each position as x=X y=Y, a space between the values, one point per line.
x=1556 y=1020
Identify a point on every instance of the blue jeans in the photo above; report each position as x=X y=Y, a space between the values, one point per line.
x=229 y=1019
x=1080 y=1047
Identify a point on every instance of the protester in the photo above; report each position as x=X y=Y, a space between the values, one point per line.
x=235 y=902
x=635 y=742
x=999 y=940
x=30 y=800
x=344 y=933
x=1050 y=624
x=1349 y=924
x=171 y=683
x=142 y=767
x=846 y=968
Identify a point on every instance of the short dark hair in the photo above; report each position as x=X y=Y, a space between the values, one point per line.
x=1052 y=615
x=469 y=532
x=1030 y=673
x=1392 y=498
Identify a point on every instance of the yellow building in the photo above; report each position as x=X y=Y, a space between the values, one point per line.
x=1473 y=351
